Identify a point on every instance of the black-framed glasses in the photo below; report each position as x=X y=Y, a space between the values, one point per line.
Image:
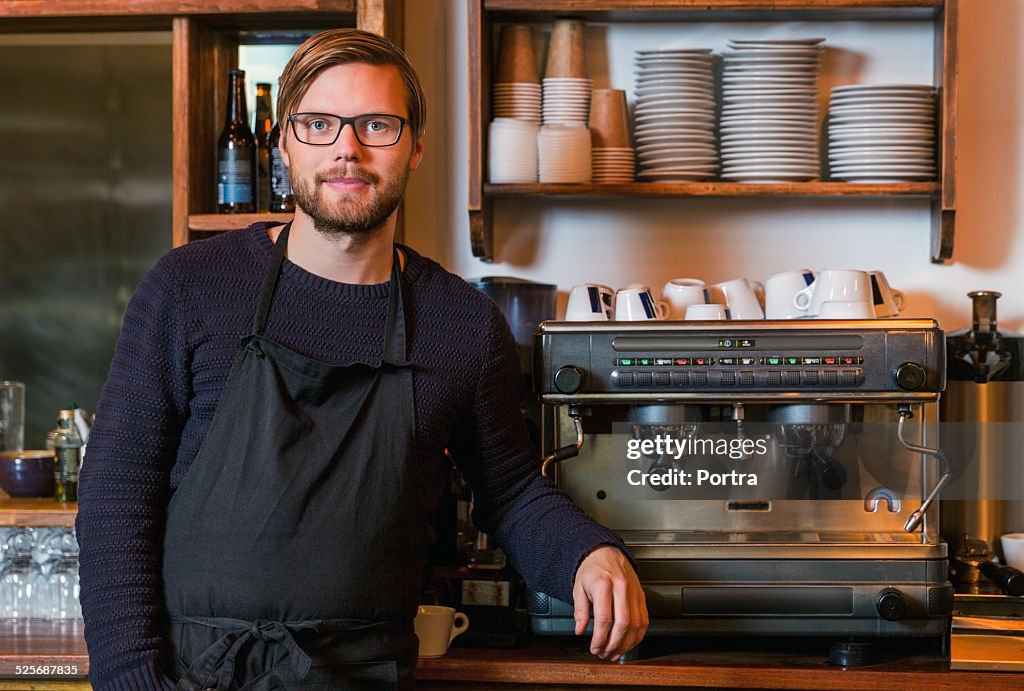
x=323 y=129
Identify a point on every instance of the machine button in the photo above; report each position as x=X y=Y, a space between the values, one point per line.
x=625 y=379
x=830 y=377
x=663 y=361
x=811 y=377
x=624 y=362
x=727 y=361
x=644 y=379
x=728 y=378
x=791 y=377
x=775 y=379
x=848 y=377
x=643 y=362
x=680 y=379
x=891 y=604
x=746 y=378
x=910 y=376
x=700 y=378
x=568 y=379
x=662 y=379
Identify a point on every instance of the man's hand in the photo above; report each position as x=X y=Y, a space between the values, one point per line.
x=606 y=579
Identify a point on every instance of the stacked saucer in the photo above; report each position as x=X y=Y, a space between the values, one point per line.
x=769 y=123
x=520 y=100
x=882 y=133
x=512 y=151
x=566 y=100
x=674 y=118
x=563 y=153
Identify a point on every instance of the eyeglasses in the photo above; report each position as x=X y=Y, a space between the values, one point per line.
x=323 y=129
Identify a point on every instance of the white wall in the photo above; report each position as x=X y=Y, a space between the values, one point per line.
x=650 y=240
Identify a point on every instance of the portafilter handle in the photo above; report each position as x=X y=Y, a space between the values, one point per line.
x=571 y=450
x=945 y=465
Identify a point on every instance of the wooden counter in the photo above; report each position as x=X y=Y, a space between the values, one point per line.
x=57 y=647
x=730 y=664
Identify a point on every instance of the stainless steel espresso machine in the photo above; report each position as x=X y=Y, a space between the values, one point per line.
x=769 y=477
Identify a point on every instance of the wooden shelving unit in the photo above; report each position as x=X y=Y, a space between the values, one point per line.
x=36 y=512
x=485 y=15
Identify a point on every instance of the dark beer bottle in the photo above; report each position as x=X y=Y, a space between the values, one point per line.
x=236 y=153
x=281 y=197
x=264 y=123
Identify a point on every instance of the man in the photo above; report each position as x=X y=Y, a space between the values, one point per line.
x=271 y=436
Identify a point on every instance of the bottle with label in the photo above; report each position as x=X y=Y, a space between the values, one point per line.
x=281 y=197
x=264 y=123
x=236 y=153
x=67 y=449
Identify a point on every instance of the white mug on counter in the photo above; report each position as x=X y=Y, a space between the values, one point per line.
x=780 y=291
x=635 y=303
x=739 y=296
x=437 y=627
x=887 y=301
x=846 y=309
x=834 y=285
x=590 y=302
x=680 y=293
x=712 y=312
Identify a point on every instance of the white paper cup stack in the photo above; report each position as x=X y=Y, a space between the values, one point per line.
x=563 y=153
x=566 y=100
x=674 y=118
x=512 y=151
x=882 y=133
x=769 y=124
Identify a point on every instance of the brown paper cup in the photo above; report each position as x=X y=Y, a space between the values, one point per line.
x=567 y=54
x=608 y=122
x=517 y=58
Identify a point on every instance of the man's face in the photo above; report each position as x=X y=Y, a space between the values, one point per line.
x=347 y=187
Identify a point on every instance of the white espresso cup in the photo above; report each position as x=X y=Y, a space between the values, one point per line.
x=636 y=303
x=680 y=293
x=590 y=302
x=739 y=296
x=779 y=291
x=437 y=627
x=1013 y=549
x=846 y=309
x=888 y=302
x=713 y=312
x=834 y=285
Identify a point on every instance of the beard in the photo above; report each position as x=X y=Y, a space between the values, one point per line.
x=354 y=219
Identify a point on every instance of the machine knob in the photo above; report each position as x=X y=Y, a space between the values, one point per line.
x=910 y=376
x=891 y=604
x=568 y=379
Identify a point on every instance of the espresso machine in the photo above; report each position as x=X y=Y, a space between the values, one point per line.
x=769 y=477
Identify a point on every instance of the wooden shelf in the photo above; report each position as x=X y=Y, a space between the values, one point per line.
x=214 y=223
x=36 y=512
x=715 y=189
x=100 y=8
x=38 y=643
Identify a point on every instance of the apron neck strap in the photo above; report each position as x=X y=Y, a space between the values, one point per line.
x=394 y=335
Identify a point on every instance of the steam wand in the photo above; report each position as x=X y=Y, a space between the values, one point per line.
x=945 y=465
x=564 y=452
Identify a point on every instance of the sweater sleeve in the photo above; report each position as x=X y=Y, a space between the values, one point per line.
x=124 y=489
x=544 y=534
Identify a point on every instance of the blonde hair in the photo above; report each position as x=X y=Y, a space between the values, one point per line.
x=340 y=47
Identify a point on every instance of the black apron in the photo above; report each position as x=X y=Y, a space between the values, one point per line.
x=295 y=545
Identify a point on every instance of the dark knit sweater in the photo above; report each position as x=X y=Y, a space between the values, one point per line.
x=179 y=337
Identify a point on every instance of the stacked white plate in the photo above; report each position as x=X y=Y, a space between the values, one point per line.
x=517 y=100
x=563 y=153
x=769 y=123
x=880 y=133
x=566 y=100
x=613 y=164
x=512 y=150
x=674 y=117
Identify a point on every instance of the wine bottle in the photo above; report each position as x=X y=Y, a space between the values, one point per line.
x=236 y=153
x=67 y=449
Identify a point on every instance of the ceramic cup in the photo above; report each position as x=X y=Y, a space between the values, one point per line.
x=739 y=296
x=590 y=302
x=888 y=302
x=635 y=303
x=781 y=289
x=713 y=312
x=1013 y=549
x=680 y=293
x=437 y=627
x=846 y=309
x=834 y=285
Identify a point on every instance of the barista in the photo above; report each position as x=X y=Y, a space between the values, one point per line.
x=271 y=436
